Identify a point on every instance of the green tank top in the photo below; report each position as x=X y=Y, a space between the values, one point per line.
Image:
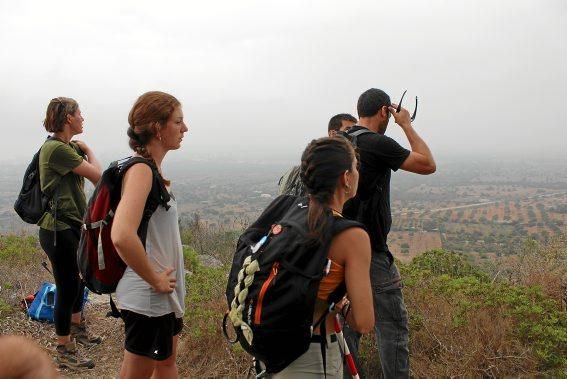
x=57 y=159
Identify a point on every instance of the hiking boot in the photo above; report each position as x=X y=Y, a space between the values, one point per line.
x=68 y=356
x=82 y=336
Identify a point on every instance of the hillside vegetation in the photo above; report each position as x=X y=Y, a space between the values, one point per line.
x=503 y=319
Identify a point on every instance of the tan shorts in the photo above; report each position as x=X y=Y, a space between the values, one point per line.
x=310 y=364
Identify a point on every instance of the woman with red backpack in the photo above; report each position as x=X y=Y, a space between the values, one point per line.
x=152 y=290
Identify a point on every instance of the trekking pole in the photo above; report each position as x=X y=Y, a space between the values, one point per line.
x=342 y=342
x=44 y=264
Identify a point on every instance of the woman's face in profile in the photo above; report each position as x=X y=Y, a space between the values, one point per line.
x=75 y=120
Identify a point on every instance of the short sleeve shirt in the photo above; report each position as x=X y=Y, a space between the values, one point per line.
x=56 y=162
x=379 y=156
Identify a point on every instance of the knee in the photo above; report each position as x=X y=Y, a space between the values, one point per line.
x=169 y=362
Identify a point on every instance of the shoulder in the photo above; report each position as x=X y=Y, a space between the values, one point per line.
x=57 y=153
x=381 y=139
x=137 y=174
x=353 y=235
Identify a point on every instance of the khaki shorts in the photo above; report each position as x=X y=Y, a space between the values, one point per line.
x=310 y=364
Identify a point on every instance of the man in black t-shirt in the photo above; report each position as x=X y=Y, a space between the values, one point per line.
x=379 y=156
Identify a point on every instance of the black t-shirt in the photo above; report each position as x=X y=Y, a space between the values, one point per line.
x=379 y=155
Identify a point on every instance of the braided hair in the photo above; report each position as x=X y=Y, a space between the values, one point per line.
x=56 y=114
x=147 y=117
x=322 y=163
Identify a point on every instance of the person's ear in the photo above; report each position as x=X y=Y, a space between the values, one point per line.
x=345 y=179
x=332 y=133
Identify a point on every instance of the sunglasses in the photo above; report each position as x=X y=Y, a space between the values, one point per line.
x=400 y=106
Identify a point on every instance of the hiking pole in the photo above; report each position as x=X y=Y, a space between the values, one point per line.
x=44 y=264
x=342 y=342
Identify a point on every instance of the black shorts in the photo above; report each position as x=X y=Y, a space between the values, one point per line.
x=151 y=337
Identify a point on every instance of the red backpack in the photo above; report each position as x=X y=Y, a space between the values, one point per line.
x=99 y=263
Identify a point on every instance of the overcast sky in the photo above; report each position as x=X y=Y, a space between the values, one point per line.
x=262 y=78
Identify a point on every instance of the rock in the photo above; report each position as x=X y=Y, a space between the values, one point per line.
x=209 y=261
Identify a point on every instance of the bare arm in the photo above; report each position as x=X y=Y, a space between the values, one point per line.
x=22 y=358
x=136 y=186
x=420 y=160
x=90 y=167
x=355 y=244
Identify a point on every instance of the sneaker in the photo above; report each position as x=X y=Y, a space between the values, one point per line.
x=68 y=356
x=83 y=337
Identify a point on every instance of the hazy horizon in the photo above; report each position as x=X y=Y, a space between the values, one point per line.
x=258 y=81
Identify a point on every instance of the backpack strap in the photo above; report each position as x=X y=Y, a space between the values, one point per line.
x=353 y=136
x=340 y=224
x=158 y=194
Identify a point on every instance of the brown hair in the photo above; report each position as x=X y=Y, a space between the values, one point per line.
x=149 y=114
x=322 y=163
x=56 y=114
x=150 y=111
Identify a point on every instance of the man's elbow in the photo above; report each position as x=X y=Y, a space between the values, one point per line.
x=430 y=169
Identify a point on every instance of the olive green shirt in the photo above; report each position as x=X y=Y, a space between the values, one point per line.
x=56 y=160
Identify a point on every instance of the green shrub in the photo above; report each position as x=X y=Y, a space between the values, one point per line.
x=205 y=300
x=17 y=247
x=537 y=322
x=438 y=262
x=191 y=259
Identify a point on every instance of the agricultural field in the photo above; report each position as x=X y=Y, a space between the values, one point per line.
x=488 y=219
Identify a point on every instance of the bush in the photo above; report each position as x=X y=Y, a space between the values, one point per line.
x=206 y=350
x=460 y=322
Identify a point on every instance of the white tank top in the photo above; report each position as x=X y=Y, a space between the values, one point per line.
x=163 y=248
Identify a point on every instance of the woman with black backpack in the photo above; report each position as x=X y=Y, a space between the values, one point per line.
x=63 y=165
x=329 y=171
x=151 y=292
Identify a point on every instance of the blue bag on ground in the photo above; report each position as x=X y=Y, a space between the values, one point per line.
x=43 y=304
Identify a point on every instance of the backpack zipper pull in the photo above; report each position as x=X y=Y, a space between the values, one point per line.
x=258 y=245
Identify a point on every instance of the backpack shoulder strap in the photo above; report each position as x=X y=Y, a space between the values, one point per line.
x=353 y=136
x=341 y=224
x=158 y=194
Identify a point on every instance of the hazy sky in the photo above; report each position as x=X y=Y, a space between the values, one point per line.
x=262 y=78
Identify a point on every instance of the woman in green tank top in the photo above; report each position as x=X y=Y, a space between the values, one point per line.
x=63 y=165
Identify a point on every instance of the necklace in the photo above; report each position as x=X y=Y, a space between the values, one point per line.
x=337 y=212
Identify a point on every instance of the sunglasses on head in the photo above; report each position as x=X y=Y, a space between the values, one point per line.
x=400 y=106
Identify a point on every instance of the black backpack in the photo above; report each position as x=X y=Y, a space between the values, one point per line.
x=32 y=203
x=273 y=283
x=290 y=183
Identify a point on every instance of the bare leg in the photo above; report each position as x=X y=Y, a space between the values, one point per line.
x=167 y=369
x=136 y=366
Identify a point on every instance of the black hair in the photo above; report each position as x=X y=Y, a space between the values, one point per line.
x=336 y=121
x=322 y=163
x=371 y=101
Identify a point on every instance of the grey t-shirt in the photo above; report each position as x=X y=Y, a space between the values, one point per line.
x=164 y=250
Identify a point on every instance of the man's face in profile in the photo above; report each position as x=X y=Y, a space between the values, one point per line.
x=346 y=125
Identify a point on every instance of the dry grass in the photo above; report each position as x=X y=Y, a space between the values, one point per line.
x=481 y=346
